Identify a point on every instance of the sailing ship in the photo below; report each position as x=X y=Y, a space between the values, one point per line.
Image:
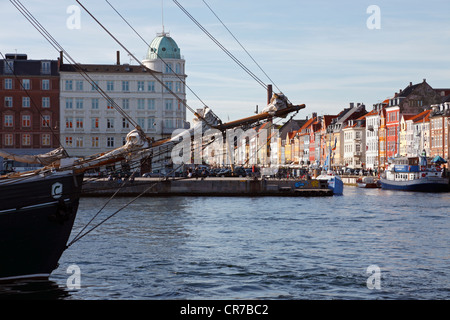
x=414 y=174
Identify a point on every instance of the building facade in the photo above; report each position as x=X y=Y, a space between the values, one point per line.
x=29 y=106
x=154 y=96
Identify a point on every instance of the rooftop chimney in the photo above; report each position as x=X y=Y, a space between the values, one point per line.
x=118 y=58
x=61 y=58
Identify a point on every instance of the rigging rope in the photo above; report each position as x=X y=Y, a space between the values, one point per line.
x=221 y=46
x=159 y=56
x=54 y=43
x=271 y=81
x=141 y=64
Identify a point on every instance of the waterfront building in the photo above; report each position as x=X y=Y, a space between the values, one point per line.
x=29 y=106
x=89 y=122
x=304 y=136
x=406 y=135
x=439 y=130
x=371 y=148
x=421 y=133
x=354 y=143
x=354 y=111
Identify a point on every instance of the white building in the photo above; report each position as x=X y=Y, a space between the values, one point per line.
x=154 y=97
x=372 y=143
x=354 y=143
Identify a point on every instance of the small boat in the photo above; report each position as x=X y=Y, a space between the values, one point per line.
x=367 y=182
x=335 y=182
x=413 y=174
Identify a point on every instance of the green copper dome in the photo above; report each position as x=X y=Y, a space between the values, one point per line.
x=163 y=47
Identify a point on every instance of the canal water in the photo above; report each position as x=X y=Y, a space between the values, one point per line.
x=367 y=244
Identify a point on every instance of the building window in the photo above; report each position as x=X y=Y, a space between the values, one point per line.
x=45 y=84
x=151 y=104
x=46 y=121
x=110 y=142
x=45 y=139
x=45 y=67
x=26 y=121
x=178 y=68
x=125 y=104
x=79 y=142
x=168 y=86
x=79 y=85
x=94 y=123
x=26 y=84
x=94 y=142
x=110 y=123
x=168 y=104
x=68 y=85
x=9 y=139
x=141 y=122
x=8 y=121
x=125 y=123
x=8 y=102
x=69 y=123
x=26 y=139
x=110 y=86
x=151 y=86
x=169 y=68
x=94 y=103
x=140 y=85
x=109 y=104
x=177 y=86
x=8 y=84
x=94 y=85
x=79 y=103
x=141 y=104
x=69 y=103
x=9 y=66
x=26 y=102
x=45 y=102
x=79 y=123
x=151 y=123
x=168 y=123
x=68 y=141
x=125 y=86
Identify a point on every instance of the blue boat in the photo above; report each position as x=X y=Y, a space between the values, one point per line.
x=413 y=174
x=335 y=182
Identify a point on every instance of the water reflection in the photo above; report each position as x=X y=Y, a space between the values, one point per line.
x=32 y=290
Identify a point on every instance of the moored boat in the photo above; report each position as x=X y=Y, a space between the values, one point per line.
x=335 y=182
x=409 y=174
x=367 y=182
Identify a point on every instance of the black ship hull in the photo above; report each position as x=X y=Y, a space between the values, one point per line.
x=36 y=219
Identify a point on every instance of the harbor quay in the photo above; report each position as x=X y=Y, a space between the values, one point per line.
x=210 y=186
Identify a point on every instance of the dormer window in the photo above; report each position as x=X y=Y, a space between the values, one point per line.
x=45 y=67
x=9 y=67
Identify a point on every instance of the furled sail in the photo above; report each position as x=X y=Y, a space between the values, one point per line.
x=43 y=159
x=277 y=102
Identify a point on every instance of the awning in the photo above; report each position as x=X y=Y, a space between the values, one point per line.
x=438 y=159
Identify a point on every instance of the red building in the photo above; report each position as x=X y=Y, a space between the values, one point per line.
x=392 y=130
x=29 y=105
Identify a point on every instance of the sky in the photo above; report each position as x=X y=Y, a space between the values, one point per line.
x=325 y=54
